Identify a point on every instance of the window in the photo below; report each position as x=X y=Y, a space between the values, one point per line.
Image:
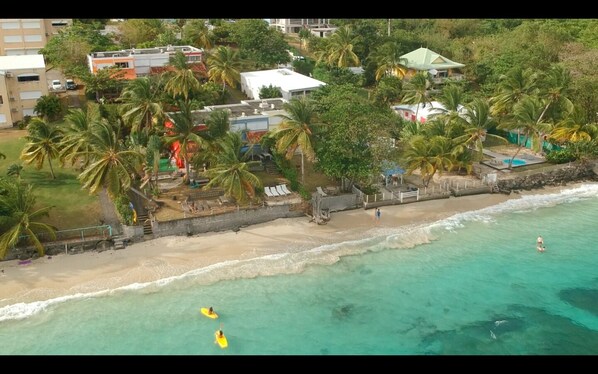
x=193 y=58
x=59 y=23
x=30 y=95
x=32 y=25
x=1 y=100
x=33 y=38
x=13 y=39
x=10 y=25
x=28 y=78
x=122 y=65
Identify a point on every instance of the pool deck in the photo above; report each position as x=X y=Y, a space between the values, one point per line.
x=498 y=163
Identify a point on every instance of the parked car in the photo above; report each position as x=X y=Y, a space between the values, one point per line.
x=70 y=84
x=56 y=85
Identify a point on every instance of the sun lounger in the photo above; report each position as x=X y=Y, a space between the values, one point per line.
x=267 y=191
x=285 y=189
x=321 y=192
x=280 y=191
x=274 y=192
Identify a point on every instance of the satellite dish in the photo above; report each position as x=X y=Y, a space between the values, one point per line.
x=433 y=71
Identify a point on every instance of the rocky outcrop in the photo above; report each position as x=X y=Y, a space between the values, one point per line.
x=557 y=175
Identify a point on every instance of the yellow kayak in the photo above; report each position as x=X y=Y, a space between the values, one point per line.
x=206 y=312
x=222 y=342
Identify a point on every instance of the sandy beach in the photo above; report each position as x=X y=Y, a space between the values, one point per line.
x=47 y=278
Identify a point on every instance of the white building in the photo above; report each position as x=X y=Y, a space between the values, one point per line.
x=291 y=84
x=294 y=25
x=424 y=111
x=22 y=82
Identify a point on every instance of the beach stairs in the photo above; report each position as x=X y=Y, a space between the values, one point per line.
x=270 y=167
x=119 y=241
x=147 y=226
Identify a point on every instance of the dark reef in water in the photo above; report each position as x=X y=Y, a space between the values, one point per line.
x=583 y=298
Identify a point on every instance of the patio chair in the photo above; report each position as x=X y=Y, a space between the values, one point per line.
x=267 y=191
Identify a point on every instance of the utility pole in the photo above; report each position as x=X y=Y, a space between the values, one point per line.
x=389 y=27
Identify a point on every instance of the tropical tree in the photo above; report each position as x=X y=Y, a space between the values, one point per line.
x=269 y=92
x=196 y=32
x=526 y=120
x=428 y=155
x=111 y=164
x=48 y=107
x=555 y=87
x=451 y=98
x=19 y=216
x=43 y=143
x=573 y=128
x=295 y=131
x=476 y=123
x=416 y=90
x=78 y=131
x=339 y=51
x=107 y=79
x=304 y=35
x=389 y=61
x=224 y=66
x=14 y=170
x=512 y=88
x=184 y=131
x=232 y=173
x=141 y=106
x=183 y=80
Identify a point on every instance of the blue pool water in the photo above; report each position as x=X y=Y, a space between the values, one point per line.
x=516 y=162
x=470 y=284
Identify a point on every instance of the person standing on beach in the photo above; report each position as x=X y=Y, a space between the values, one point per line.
x=378 y=214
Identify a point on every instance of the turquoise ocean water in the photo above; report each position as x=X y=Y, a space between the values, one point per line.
x=470 y=284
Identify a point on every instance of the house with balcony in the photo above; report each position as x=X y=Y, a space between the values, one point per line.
x=252 y=118
x=140 y=62
x=294 y=25
x=22 y=82
x=440 y=68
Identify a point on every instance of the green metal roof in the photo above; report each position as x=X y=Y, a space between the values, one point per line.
x=425 y=59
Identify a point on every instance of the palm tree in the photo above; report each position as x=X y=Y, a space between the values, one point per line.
x=389 y=61
x=78 y=131
x=428 y=155
x=141 y=106
x=111 y=164
x=196 y=31
x=526 y=120
x=304 y=35
x=183 y=131
x=416 y=91
x=451 y=98
x=477 y=122
x=574 y=128
x=182 y=81
x=42 y=144
x=232 y=173
x=19 y=216
x=340 y=49
x=554 y=89
x=295 y=131
x=224 y=66
x=513 y=87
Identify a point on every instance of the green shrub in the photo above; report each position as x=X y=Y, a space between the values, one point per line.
x=124 y=209
x=560 y=156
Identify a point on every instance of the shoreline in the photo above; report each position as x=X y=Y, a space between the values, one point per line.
x=61 y=275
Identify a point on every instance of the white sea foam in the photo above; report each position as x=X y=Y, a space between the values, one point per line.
x=296 y=261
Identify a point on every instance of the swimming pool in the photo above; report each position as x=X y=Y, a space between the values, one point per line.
x=516 y=162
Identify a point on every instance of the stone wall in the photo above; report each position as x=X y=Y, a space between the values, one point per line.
x=223 y=222
x=557 y=175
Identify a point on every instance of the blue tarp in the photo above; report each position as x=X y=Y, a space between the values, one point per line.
x=390 y=168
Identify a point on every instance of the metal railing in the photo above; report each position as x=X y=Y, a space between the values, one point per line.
x=83 y=233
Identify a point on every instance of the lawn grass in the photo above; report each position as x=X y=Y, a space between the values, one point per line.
x=73 y=206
